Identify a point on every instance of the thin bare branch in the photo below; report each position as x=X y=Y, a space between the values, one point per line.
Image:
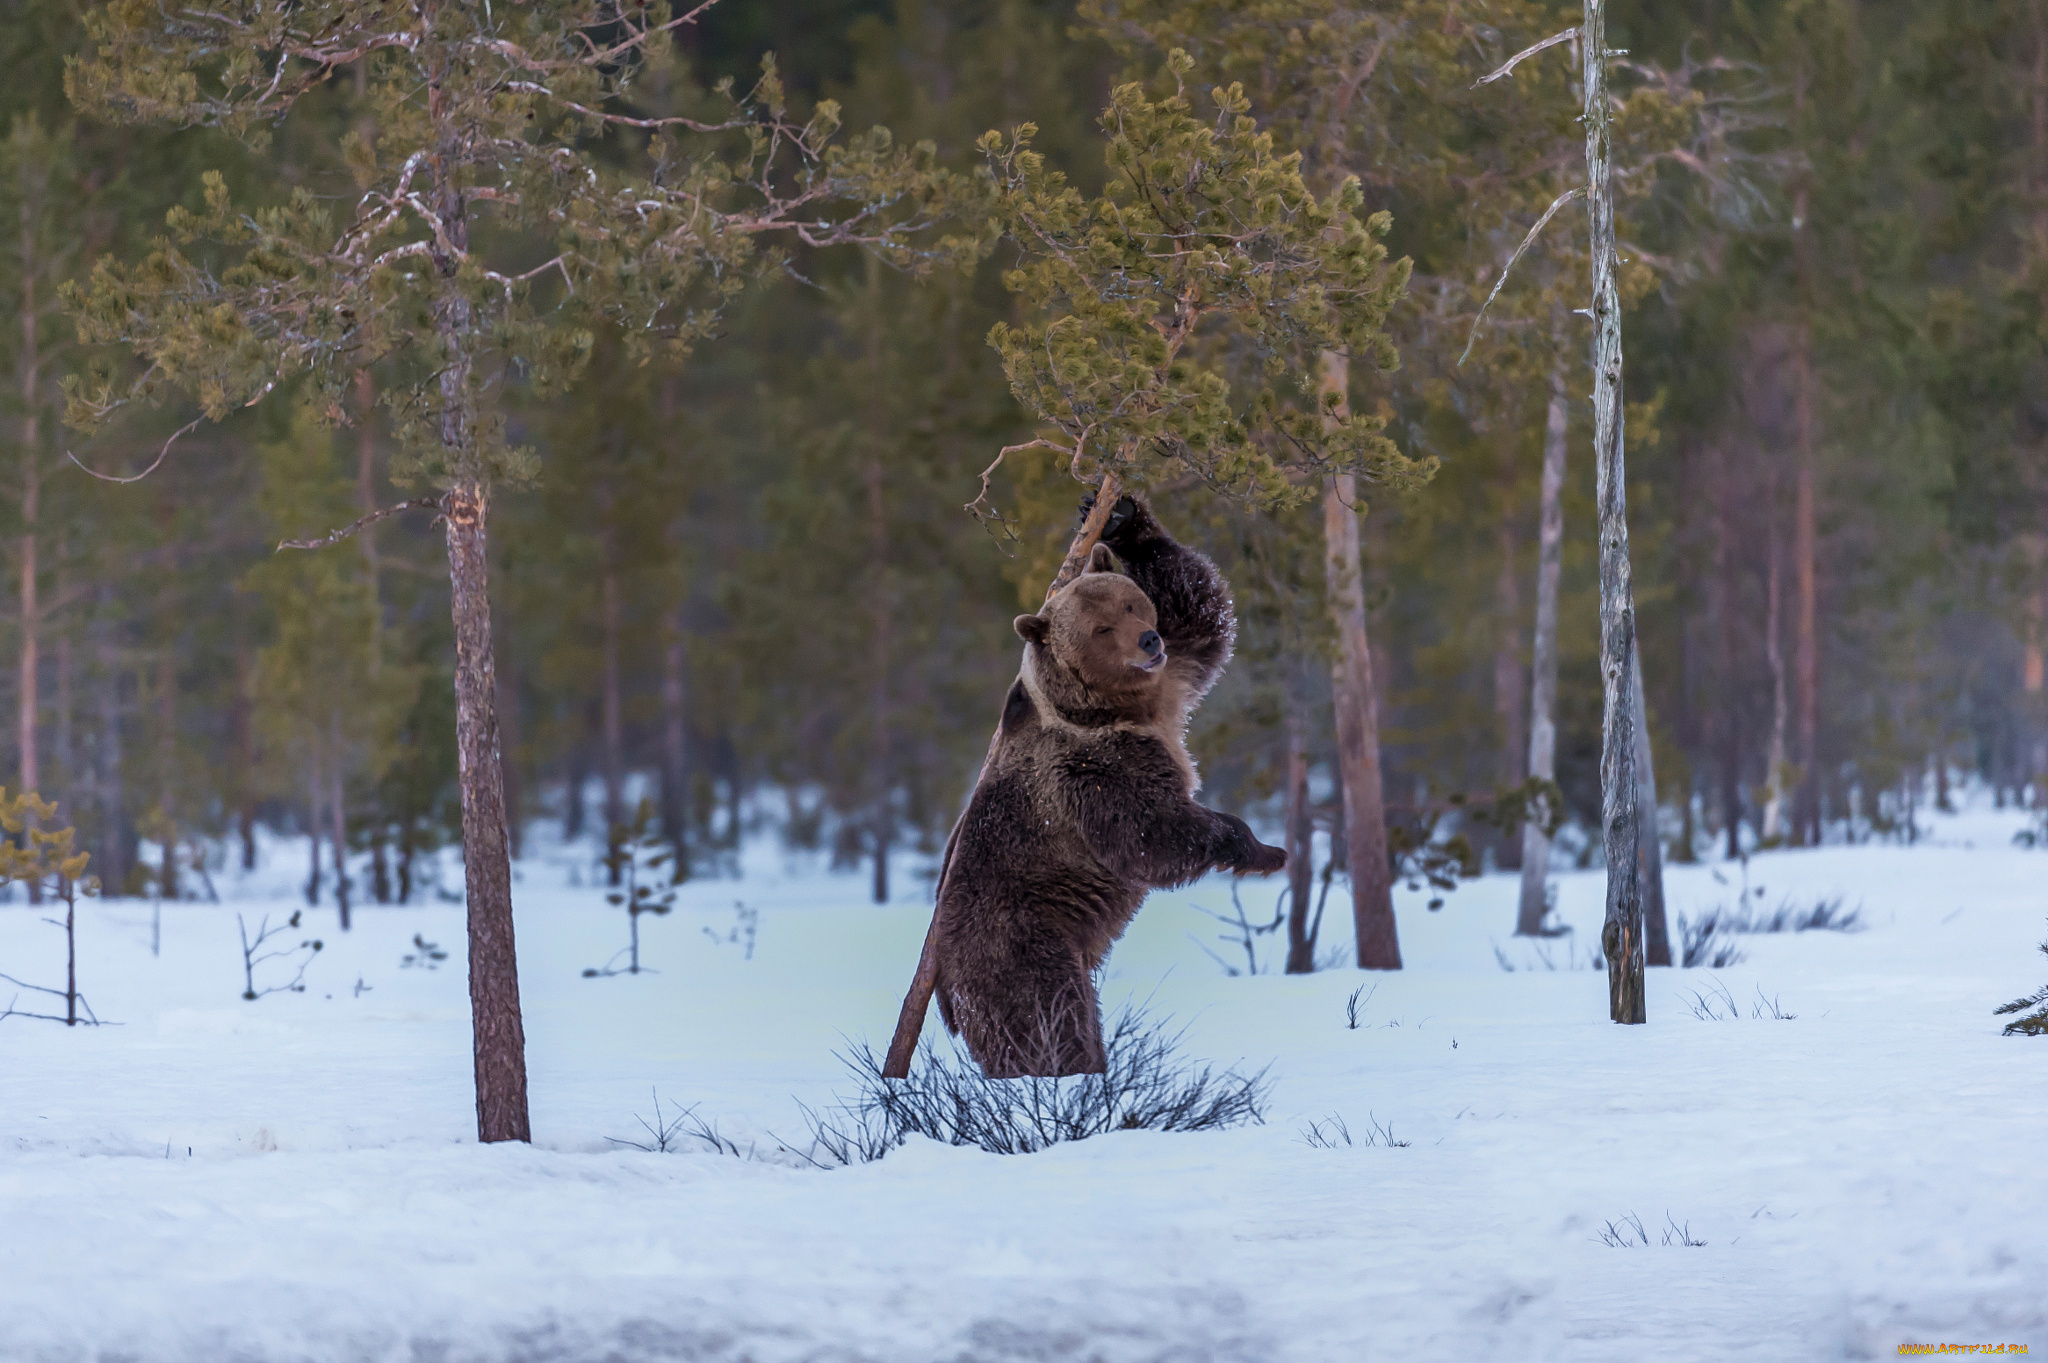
x=360 y=522
x=1512 y=62
x=1559 y=202
x=161 y=455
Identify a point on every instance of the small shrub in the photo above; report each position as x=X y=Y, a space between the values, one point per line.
x=1332 y=1132
x=1629 y=1233
x=1148 y=1086
x=1702 y=942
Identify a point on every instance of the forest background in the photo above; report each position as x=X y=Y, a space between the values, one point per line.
x=746 y=582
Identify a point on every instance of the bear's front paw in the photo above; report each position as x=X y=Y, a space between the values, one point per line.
x=1245 y=854
x=1128 y=521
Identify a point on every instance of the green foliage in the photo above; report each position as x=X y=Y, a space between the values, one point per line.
x=507 y=201
x=38 y=855
x=1178 y=319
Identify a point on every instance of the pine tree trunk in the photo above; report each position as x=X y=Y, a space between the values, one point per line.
x=1507 y=673
x=1650 y=851
x=1621 y=936
x=1722 y=594
x=167 y=750
x=612 y=702
x=1774 y=655
x=242 y=737
x=675 y=772
x=1543 y=669
x=314 y=875
x=1806 y=810
x=114 y=853
x=30 y=363
x=337 y=828
x=883 y=646
x=366 y=498
x=500 y=1034
x=1357 y=710
x=1301 y=946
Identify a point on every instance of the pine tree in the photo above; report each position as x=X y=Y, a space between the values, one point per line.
x=502 y=137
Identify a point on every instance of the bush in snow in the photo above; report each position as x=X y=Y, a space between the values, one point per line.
x=1148 y=1086
x=46 y=861
x=2034 y=1023
x=637 y=851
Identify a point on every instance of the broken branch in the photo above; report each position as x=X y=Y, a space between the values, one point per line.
x=337 y=536
x=1559 y=202
x=1512 y=62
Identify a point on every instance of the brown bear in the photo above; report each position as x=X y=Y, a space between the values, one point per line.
x=1086 y=801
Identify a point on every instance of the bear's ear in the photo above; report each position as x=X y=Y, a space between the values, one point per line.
x=1031 y=628
x=1100 y=559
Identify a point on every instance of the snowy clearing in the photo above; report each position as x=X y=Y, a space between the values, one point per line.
x=297 y=1178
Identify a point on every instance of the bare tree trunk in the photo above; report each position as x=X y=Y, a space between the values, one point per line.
x=1357 y=705
x=31 y=510
x=242 y=738
x=1621 y=937
x=115 y=847
x=1543 y=668
x=67 y=751
x=366 y=498
x=1806 y=810
x=612 y=703
x=337 y=814
x=1301 y=830
x=1508 y=704
x=1650 y=850
x=167 y=747
x=675 y=772
x=501 y=1111
x=883 y=774
x=1721 y=590
x=314 y=797
x=1774 y=782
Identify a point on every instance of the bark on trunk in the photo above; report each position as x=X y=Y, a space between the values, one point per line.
x=1543 y=669
x=1650 y=850
x=366 y=498
x=1301 y=944
x=880 y=811
x=1622 y=934
x=675 y=772
x=337 y=826
x=1774 y=655
x=1806 y=808
x=114 y=859
x=500 y=1035
x=1722 y=594
x=612 y=729
x=314 y=874
x=1357 y=712
x=1507 y=658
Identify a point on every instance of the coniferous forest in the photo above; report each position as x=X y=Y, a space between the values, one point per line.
x=735 y=566
x=606 y=459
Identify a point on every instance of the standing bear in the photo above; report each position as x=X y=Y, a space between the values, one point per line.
x=1086 y=801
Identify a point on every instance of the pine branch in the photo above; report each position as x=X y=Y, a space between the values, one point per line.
x=360 y=523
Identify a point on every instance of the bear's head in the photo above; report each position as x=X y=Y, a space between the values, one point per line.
x=1095 y=651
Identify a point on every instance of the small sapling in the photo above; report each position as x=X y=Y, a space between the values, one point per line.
x=637 y=851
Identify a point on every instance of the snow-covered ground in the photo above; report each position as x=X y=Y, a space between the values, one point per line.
x=297 y=1178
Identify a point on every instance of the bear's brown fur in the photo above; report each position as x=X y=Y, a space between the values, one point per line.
x=1086 y=801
